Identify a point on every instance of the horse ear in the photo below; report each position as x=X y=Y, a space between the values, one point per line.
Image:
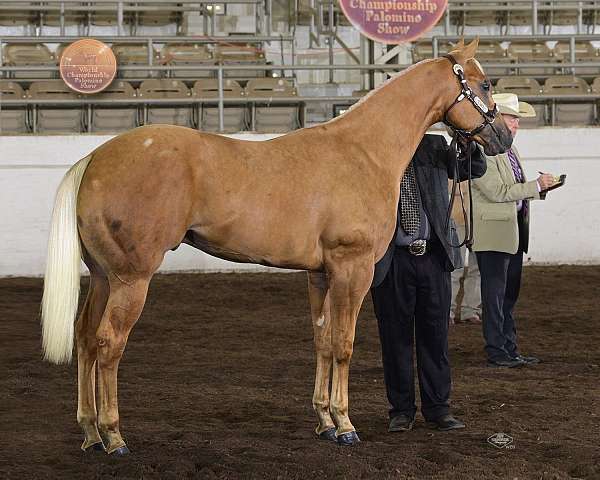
x=460 y=44
x=470 y=50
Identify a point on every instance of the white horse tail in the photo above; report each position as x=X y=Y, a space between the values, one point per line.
x=61 y=281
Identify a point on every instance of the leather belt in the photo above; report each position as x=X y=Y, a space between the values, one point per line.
x=417 y=247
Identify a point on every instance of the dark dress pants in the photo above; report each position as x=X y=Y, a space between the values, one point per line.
x=414 y=300
x=500 y=286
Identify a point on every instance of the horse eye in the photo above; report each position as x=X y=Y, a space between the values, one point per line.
x=486 y=86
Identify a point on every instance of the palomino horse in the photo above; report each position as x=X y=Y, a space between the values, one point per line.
x=321 y=199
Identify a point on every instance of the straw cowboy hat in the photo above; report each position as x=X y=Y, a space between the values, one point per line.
x=508 y=103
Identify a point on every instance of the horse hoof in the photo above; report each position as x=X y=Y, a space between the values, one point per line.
x=348 y=439
x=96 y=447
x=328 y=435
x=121 y=451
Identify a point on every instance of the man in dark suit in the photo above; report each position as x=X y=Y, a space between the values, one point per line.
x=411 y=288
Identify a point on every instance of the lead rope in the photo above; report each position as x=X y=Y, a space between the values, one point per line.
x=468 y=237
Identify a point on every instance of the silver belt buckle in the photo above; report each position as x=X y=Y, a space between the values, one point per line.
x=418 y=247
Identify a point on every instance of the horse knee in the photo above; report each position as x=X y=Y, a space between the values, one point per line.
x=342 y=351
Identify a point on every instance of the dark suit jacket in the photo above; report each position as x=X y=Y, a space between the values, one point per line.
x=434 y=163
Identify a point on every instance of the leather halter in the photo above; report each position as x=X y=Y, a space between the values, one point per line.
x=489 y=116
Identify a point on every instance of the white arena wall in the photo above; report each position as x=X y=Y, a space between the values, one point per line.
x=564 y=228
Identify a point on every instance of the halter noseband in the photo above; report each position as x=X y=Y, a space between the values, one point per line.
x=465 y=92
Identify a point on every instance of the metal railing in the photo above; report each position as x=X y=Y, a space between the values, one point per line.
x=196 y=101
x=534 y=6
x=221 y=100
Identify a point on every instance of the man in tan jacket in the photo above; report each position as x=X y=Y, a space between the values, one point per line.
x=501 y=202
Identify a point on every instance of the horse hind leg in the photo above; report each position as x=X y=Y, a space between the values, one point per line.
x=321 y=320
x=125 y=303
x=85 y=331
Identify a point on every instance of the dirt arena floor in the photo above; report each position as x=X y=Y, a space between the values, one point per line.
x=216 y=382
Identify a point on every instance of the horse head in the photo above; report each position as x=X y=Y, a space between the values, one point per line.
x=473 y=113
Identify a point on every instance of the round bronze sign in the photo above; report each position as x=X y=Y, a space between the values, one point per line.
x=393 y=21
x=88 y=66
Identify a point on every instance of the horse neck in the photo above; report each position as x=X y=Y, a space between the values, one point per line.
x=394 y=119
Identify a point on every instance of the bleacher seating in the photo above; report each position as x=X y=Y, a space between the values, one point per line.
x=533 y=52
x=55 y=119
x=584 y=52
x=240 y=54
x=17 y=17
x=192 y=54
x=134 y=54
x=524 y=86
x=23 y=55
x=166 y=89
x=569 y=113
x=510 y=51
x=234 y=116
x=107 y=119
x=273 y=118
x=12 y=119
x=157 y=18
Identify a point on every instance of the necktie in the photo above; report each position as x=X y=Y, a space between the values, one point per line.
x=518 y=173
x=410 y=214
x=515 y=166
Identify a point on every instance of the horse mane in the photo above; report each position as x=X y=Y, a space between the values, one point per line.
x=379 y=87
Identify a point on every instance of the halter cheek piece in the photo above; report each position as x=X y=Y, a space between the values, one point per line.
x=465 y=92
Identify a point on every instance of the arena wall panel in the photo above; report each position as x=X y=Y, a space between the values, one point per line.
x=564 y=228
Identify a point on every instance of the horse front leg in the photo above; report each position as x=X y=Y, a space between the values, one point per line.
x=318 y=287
x=124 y=306
x=350 y=279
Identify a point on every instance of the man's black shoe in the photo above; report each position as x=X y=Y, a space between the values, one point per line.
x=401 y=423
x=506 y=362
x=445 y=423
x=527 y=360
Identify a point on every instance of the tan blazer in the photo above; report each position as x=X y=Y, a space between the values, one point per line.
x=495 y=197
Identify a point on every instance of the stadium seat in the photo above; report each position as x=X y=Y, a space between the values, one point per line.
x=584 y=52
x=55 y=119
x=474 y=18
x=533 y=52
x=524 y=86
x=157 y=18
x=169 y=114
x=424 y=50
x=240 y=54
x=134 y=54
x=107 y=119
x=275 y=119
x=18 y=17
x=234 y=116
x=24 y=55
x=12 y=119
x=520 y=17
x=569 y=113
x=52 y=17
x=104 y=18
x=192 y=54
x=492 y=52
x=562 y=13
